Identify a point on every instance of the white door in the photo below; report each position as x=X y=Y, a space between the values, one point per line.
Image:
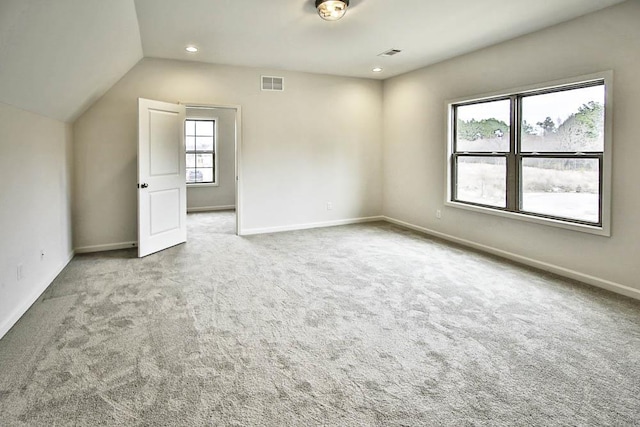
x=162 y=188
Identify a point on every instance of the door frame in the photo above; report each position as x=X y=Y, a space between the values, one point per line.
x=238 y=152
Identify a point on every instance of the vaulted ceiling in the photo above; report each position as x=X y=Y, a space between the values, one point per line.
x=58 y=56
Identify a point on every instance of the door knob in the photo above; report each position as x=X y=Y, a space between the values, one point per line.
x=145 y=185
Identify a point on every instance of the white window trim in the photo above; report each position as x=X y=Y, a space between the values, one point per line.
x=605 y=228
x=202 y=184
x=216 y=183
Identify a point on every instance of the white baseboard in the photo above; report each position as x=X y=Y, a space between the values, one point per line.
x=561 y=271
x=211 y=208
x=252 y=231
x=33 y=297
x=108 y=247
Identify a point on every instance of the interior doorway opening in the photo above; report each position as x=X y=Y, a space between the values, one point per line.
x=212 y=142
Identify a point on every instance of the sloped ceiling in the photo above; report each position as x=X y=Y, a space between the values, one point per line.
x=58 y=56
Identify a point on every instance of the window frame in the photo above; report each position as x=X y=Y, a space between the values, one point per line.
x=214 y=151
x=514 y=157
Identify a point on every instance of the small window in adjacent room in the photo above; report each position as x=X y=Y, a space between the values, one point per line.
x=541 y=154
x=201 y=151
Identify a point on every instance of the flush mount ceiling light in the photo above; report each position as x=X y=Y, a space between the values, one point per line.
x=191 y=49
x=377 y=69
x=332 y=10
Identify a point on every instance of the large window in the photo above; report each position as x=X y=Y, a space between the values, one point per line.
x=201 y=154
x=539 y=154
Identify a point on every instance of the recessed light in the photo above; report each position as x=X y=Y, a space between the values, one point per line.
x=191 y=49
x=377 y=70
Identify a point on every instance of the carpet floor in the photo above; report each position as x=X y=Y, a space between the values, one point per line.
x=360 y=325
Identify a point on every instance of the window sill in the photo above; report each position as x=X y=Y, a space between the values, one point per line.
x=590 y=229
x=204 y=184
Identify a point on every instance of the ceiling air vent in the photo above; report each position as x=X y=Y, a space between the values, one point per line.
x=273 y=83
x=390 y=52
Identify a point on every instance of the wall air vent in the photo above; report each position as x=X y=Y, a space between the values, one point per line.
x=390 y=52
x=271 y=83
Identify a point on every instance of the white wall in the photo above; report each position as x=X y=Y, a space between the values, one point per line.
x=35 y=208
x=203 y=197
x=415 y=143
x=320 y=140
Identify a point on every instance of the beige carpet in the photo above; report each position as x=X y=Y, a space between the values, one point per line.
x=347 y=326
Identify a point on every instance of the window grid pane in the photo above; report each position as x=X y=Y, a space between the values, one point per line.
x=482 y=180
x=562 y=187
x=566 y=121
x=200 y=146
x=483 y=127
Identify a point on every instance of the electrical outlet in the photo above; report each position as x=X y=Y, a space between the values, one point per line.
x=438 y=213
x=329 y=206
x=19 y=272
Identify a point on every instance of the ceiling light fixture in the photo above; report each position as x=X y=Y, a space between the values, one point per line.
x=377 y=70
x=191 y=49
x=332 y=10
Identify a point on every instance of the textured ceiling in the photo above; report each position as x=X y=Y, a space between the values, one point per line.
x=58 y=56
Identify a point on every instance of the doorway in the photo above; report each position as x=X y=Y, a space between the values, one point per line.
x=212 y=141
